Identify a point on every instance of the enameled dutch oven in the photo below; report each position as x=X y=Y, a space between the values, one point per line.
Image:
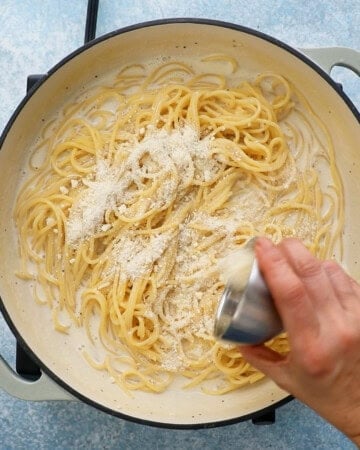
x=65 y=375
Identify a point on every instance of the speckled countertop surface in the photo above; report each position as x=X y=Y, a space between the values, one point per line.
x=34 y=35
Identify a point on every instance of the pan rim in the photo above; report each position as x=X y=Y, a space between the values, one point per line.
x=175 y=21
x=8 y=126
x=156 y=424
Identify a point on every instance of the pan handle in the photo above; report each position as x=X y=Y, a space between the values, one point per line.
x=328 y=57
x=42 y=389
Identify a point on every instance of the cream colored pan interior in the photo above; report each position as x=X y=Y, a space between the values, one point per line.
x=60 y=353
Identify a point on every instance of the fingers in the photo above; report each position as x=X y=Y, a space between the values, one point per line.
x=268 y=362
x=347 y=290
x=312 y=274
x=289 y=293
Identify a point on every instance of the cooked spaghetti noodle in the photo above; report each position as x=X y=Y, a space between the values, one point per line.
x=146 y=184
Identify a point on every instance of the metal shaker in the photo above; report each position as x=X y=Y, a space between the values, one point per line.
x=248 y=315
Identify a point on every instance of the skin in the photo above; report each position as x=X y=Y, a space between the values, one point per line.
x=320 y=308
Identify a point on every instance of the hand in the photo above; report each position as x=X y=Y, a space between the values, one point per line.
x=320 y=308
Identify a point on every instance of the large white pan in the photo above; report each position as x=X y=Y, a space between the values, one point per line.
x=65 y=374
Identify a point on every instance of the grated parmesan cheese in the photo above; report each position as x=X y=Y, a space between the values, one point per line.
x=177 y=159
x=74 y=183
x=64 y=190
x=134 y=257
x=235 y=268
x=159 y=155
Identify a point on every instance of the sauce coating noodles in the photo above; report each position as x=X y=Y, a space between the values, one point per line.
x=146 y=184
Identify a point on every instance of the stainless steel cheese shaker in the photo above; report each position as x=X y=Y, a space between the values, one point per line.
x=248 y=315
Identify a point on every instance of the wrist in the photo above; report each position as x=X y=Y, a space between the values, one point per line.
x=356 y=440
x=352 y=433
x=352 y=429
x=348 y=422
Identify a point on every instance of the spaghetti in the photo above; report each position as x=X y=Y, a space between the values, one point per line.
x=146 y=184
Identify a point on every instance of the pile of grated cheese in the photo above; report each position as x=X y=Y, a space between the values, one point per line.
x=179 y=159
x=175 y=158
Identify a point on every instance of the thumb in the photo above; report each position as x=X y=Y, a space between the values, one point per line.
x=271 y=363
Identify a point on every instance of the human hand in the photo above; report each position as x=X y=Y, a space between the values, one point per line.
x=320 y=308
